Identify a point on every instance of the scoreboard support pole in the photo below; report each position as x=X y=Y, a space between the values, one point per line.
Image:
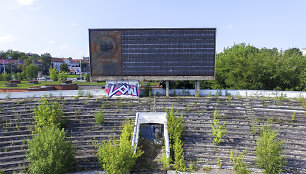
x=167 y=88
x=197 y=89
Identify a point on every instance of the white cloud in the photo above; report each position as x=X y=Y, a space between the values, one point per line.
x=229 y=26
x=25 y=2
x=8 y=38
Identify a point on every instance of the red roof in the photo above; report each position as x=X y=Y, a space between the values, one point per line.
x=54 y=59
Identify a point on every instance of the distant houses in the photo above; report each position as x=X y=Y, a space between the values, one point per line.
x=76 y=66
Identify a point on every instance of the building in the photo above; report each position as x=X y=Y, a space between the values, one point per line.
x=303 y=50
x=74 y=65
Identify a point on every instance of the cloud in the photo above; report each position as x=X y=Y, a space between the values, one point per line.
x=25 y=2
x=8 y=38
x=229 y=26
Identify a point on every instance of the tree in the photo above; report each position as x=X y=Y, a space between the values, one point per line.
x=31 y=71
x=64 y=67
x=49 y=151
x=62 y=76
x=45 y=63
x=269 y=150
x=53 y=74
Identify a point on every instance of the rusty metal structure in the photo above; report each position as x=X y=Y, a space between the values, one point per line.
x=153 y=54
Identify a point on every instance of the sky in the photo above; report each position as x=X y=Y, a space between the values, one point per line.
x=60 y=27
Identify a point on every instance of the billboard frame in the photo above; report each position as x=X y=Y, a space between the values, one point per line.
x=151 y=78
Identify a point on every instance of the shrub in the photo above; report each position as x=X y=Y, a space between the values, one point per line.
x=269 y=150
x=53 y=74
x=99 y=117
x=6 y=77
x=165 y=161
x=48 y=112
x=238 y=160
x=49 y=152
x=117 y=156
x=179 y=163
x=87 y=77
x=175 y=130
x=217 y=130
x=62 y=76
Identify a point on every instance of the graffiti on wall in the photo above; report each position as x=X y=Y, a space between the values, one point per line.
x=119 y=89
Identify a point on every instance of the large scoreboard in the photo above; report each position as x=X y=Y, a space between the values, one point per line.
x=153 y=54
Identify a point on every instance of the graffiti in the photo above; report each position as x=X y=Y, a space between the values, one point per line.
x=119 y=89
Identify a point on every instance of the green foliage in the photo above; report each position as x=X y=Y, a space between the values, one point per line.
x=20 y=76
x=220 y=163
x=53 y=74
x=49 y=152
x=117 y=156
x=99 y=117
x=244 y=66
x=240 y=167
x=293 y=117
x=179 y=163
x=5 y=77
x=45 y=62
x=165 y=161
x=31 y=71
x=269 y=150
x=148 y=90
x=62 y=76
x=191 y=167
x=217 y=130
x=64 y=67
x=87 y=77
x=175 y=129
x=48 y=112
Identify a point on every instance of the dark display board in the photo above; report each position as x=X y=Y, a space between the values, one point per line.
x=152 y=52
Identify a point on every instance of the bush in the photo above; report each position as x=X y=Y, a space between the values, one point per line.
x=53 y=74
x=49 y=152
x=5 y=77
x=269 y=150
x=87 y=77
x=47 y=113
x=179 y=163
x=238 y=160
x=62 y=76
x=217 y=130
x=175 y=130
x=99 y=117
x=117 y=156
x=31 y=71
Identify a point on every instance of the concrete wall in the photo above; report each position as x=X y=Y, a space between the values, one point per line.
x=157 y=92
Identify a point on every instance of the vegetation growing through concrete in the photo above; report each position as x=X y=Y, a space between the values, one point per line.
x=99 y=117
x=49 y=151
x=240 y=167
x=117 y=156
x=175 y=130
x=269 y=150
x=48 y=112
x=217 y=130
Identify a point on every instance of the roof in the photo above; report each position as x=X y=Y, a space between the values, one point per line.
x=54 y=59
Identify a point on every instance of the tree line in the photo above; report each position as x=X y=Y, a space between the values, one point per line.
x=27 y=58
x=244 y=66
